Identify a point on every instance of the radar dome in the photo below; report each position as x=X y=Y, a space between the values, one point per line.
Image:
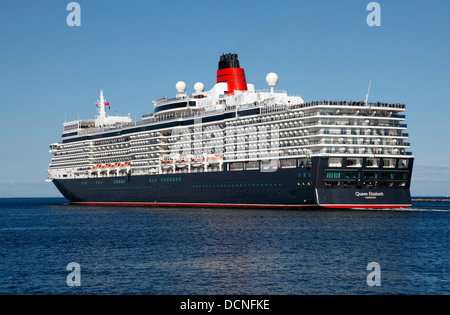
x=199 y=87
x=181 y=87
x=272 y=79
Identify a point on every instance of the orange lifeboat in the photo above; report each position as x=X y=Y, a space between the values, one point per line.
x=197 y=161
x=166 y=163
x=182 y=162
x=215 y=159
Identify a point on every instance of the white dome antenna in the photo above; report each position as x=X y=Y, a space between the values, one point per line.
x=199 y=87
x=272 y=80
x=181 y=87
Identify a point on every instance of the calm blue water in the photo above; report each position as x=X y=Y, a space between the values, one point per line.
x=213 y=251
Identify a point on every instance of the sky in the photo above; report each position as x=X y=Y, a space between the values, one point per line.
x=137 y=50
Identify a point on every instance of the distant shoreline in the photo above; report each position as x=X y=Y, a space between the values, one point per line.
x=431 y=199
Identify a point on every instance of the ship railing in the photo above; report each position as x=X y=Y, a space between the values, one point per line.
x=63 y=159
x=371 y=124
x=265 y=109
x=270 y=91
x=164 y=100
x=275 y=108
x=357 y=132
x=165 y=118
x=340 y=112
x=362 y=142
x=356 y=103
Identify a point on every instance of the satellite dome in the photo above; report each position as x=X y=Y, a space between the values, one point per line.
x=181 y=87
x=199 y=87
x=272 y=79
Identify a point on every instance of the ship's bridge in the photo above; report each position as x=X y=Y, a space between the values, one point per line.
x=184 y=103
x=179 y=104
x=218 y=98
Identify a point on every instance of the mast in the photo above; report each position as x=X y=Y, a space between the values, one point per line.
x=101 y=106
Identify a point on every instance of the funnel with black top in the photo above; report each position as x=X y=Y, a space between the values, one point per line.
x=231 y=73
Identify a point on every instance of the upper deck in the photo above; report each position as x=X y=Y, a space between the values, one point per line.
x=170 y=120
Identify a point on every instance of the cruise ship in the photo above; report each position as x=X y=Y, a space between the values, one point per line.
x=236 y=146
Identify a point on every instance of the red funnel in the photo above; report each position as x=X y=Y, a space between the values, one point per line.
x=230 y=72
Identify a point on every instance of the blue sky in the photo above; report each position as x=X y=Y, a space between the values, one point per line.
x=137 y=50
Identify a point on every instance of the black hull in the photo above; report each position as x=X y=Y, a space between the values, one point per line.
x=240 y=188
x=300 y=187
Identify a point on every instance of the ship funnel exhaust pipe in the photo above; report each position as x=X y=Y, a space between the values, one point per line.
x=231 y=73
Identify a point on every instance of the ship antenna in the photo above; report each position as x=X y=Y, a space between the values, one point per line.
x=368 y=92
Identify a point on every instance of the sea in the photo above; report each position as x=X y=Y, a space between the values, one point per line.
x=49 y=247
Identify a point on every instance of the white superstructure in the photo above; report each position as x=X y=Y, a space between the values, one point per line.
x=202 y=131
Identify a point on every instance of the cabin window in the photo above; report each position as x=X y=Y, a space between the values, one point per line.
x=330 y=184
x=389 y=163
x=351 y=175
x=401 y=175
x=373 y=163
x=269 y=166
x=305 y=163
x=387 y=175
x=370 y=175
x=236 y=166
x=353 y=162
x=252 y=166
x=333 y=175
x=335 y=162
x=403 y=163
x=291 y=163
